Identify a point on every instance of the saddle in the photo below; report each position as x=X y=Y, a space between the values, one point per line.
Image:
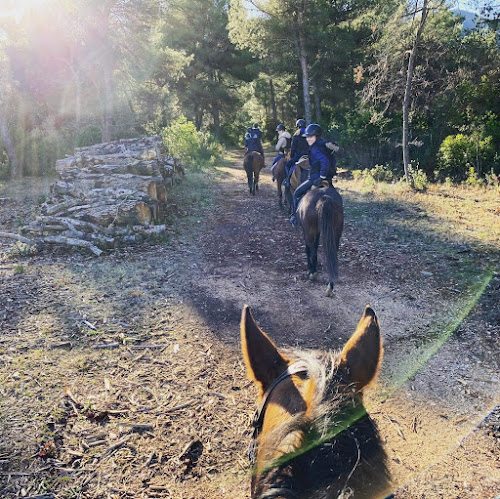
x=324 y=183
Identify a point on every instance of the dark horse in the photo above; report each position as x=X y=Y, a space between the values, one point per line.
x=312 y=436
x=253 y=164
x=321 y=212
x=279 y=176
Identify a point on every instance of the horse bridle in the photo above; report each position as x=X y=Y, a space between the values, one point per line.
x=258 y=419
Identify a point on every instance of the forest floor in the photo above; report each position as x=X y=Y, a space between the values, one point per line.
x=121 y=376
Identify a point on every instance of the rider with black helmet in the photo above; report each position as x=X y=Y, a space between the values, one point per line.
x=257 y=137
x=321 y=165
x=299 y=148
x=248 y=137
x=282 y=146
x=253 y=140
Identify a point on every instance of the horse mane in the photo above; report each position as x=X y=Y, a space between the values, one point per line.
x=340 y=442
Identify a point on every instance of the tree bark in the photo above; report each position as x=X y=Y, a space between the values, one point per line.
x=305 y=71
x=78 y=97
x=317 y=101
x=273 y=102
x=407 y=97
x=108 y=102
x=107 y=62
x=216 y=117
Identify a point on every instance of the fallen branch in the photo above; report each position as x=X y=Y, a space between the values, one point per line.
x=143 y=347
x=179 y=407
x=106 y=345
x=116 y=446
x=17 y=237
x=68 y=241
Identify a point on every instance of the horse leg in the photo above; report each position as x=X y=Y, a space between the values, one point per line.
x=257 y=173
x=314 y=255
x=311 y=240
x=249 y=179
x=280 y=194
x=289 y=200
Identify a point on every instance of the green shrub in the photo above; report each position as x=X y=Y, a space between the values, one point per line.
x=473 y=179
x=89 y=136
x=195 y=149
x=379 y=173
x=458 y=153
x=492 y=179
x=357 y=174
x=419 y=177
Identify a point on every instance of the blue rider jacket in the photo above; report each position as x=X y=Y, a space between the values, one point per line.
x=319 y=162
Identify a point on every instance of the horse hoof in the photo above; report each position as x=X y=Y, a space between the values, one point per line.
x=312 y=276
x=329 y=291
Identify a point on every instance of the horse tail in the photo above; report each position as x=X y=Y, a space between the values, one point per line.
x=326 y=211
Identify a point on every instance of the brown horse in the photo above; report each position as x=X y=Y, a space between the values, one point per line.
x=321 y=212
x=253 y=164
x=279 y=176
x=312 y=436
x=298 y=176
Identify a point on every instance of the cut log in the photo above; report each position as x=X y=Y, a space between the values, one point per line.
x=109 y=194
x=154 y=187
x=52 y=209
x=65 y=164
x=120 y=212
x=70 y=223
x=68 y=241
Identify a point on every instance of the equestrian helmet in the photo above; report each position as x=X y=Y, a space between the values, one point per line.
x=256 y=125
x=280 y=127
x=300 y=123
x=313 y=129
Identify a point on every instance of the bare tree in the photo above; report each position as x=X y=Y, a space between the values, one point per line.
x=409 y=77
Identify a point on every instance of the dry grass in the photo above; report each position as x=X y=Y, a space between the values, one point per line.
x=460 y=214
x=173 y=420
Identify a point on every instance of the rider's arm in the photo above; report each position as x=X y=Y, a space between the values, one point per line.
x=281 y=143
x=324 y=166
x=332 y=146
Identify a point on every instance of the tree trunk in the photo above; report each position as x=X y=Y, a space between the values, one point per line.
x=78 y=92
x=317 y=102
x=10 y=149
x=78 y=98
x=198 y=120
x=108 y=101
x=216 y=117
x=305 y=71
x=407 y=97
x=273 y=102
x=107 y=65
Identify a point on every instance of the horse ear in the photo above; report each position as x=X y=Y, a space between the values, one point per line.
x=264 y=362
x=362 y=354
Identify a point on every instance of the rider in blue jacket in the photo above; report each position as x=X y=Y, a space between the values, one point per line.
x=299 y=148
x=256 y=140
x=321 y=167
x=248 y=137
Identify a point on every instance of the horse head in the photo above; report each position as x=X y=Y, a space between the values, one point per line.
x=312 y=436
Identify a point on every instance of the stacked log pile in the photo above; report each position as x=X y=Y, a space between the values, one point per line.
x=108 y=195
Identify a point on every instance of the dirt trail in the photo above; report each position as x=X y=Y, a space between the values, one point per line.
x=186 y=295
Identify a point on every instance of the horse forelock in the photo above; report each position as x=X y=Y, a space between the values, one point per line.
x=337 y=435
